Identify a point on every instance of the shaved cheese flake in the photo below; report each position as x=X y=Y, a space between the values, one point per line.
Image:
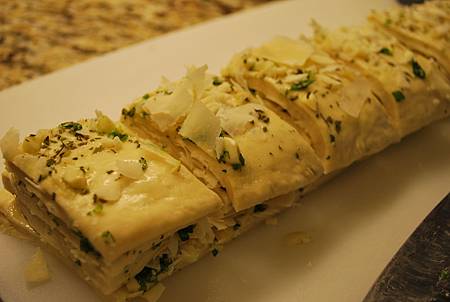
x=35 y=167
x=10 y=144
x=236 y=121
x=167 y=108
x=106 y=187
x=154 y=293
x=354 y=97
x=74 y=177
x=6 y=199
x=36 y=270
x=32 y=144
x=130 y=168
x=286 y=51
x=202 y=127
x=196 y=78
x=104 y=124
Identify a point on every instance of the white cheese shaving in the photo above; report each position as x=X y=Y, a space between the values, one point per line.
x=104 y=124
x=130 y=168
x=236 y=121
x=286 y=51
x=354 y=96
x=202 y=127
x=106 y=187
x=6 y=199
x=74 y=177
x=35 y=167
x=10 y=144
x=154 y=293
x=197 y=80
x=32 y=144
x=36 y=270
x=167 y=108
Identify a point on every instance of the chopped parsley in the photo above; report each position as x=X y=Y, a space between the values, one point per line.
x=50 y=162
x=398 y=96
x=72 y=126
x=385 y=51
x=122 y=136
x=184 y=233
x=259 y=208
x=129 y=113
x=300 y=85
x=224 y=157
x=97 y=210
x=332 y=138
x=215 y=252
x=164 y=262
x=146 y=96
x=417 y=69
x=86 y=246
x=108 y=237
x=146 y=276
x=217 y=82
x=240 y=164
x=262 y=116
x=444 y=275
x=338 y=126
x=143 y=163
x=78 y=262
x=237 y=226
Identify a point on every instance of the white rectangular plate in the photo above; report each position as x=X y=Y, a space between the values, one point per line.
x=357 y=221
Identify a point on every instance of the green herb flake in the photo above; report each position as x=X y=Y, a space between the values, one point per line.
x=224 y=157
x=122 y=136
x=129 y=113
x=86 y=246
x=217 y=81
x=78 y=262
x=385 y=51
x=240 y=164
x=145 y=277
x=338 y=126
x=97 y=210
x=184 y=233
x=146 y=96
x=143 y=163
x=444 y=275
x=71 y=126
x=50 y=162
x=215 y=252
x=262 y=116
x=398 y=96
x=260 y=208
x=332 y=138
x=164 y=262
x=303 y=83
x=418 y=70
x=108 y=237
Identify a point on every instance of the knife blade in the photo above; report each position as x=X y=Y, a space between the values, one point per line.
x=420 y=270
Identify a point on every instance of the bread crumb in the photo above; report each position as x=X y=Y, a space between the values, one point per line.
x=297 y=238
x=36 y=271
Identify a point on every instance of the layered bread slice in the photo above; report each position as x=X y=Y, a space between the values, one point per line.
x=122 y=212
x=237 y=146
x=334 y=105
x=417 y=91
x=424 y=28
